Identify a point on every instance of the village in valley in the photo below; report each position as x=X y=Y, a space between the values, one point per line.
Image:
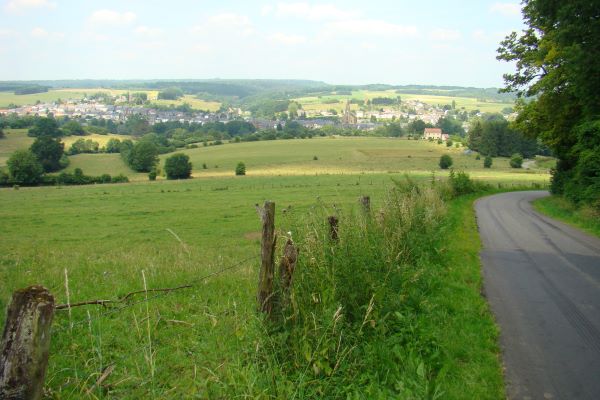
x=363 y=115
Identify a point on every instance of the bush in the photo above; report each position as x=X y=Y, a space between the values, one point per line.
x=445 y=161
x=204 y=166
x=178 y=166
x=448 y=143
x=240 y=169
x=487 y=162
x=315 y=158
x=461 y=183
x=120 y=179
x=152 y=175
x=24 y=168
x=478 y=157
x=516 y=160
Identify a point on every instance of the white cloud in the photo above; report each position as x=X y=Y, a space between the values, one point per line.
x=145 y=31
x=445 y=35
x=21 y=6
x=373 y=27
x=314 y=12
x=6 y=33
x=287 y=39
x=111 y=17
x=506 y=9
x=41 y=33
x=266 y=10
x=227 y=23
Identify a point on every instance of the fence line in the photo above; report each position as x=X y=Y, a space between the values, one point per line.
x=164 y=293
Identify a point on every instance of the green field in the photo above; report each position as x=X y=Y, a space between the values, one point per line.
x=314 y=103
x=207 y=341
x=335 y=156
x=193 y=101
x=201 y=341
x=7 y=98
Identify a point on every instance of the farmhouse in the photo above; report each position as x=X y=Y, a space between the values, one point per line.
x=435 y=134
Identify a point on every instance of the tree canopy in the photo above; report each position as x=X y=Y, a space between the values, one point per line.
x=45 y=127
x=178 y=166
x=48 y=151
x=24 y=168
x=557 y=62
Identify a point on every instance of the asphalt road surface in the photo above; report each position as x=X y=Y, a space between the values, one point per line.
x=542 y=280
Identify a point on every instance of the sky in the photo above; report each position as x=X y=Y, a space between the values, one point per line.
x=340 y=42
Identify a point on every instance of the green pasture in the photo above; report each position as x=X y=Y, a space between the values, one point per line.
x=348 y=155
x=7 y=98
x=203 y=341
x=193 y=101
x=315 y=103
x=15 y=139
x=335 y=156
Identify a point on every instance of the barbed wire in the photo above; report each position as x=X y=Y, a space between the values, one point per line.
x=189 y=284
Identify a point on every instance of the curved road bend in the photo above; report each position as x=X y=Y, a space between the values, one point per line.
x=542 y=280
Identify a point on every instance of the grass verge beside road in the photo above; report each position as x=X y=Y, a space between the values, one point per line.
x=584 y=218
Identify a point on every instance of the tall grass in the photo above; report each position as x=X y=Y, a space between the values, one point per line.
x=350 y=328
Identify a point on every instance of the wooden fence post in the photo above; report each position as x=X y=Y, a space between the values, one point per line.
x=333 y=228
x=286 y=271
x=25 y=344
x=267 y=253
x=365 y=201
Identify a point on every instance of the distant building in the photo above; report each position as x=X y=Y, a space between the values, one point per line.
x=435 y=134
x=349 y=117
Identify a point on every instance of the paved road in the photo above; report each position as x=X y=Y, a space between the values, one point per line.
x=542 y=280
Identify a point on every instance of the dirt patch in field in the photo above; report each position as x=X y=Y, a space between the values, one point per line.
x=252 y=235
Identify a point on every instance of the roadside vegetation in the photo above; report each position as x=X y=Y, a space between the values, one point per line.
x=584 y=217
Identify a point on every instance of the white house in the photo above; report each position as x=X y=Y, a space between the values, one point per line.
x=435 y=134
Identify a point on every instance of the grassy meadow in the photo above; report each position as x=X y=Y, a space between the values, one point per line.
x=7 y=98
x=207 y=341
x=314 y=103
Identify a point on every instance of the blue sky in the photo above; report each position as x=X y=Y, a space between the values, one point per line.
x=353 y=42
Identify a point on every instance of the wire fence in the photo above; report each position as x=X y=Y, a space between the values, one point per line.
x=164 y=292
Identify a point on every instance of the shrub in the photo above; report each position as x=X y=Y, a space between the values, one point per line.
x=461 y=183
x=204 y=166
x=445 y=161
x=24 y=168
x=487 y=162
x=448 y=143
x=478 y=157
x=120 y=179
x=178 y=166
x=152 y=175
x=315 y=158
x=240 y=169
x=516 y=160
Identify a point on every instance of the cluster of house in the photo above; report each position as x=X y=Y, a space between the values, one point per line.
x=359 y=119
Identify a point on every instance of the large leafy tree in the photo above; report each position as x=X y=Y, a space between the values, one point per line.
x=24 y=168
x=48 y=152
x=178 y=166
x=45 y=127
x=557 y=80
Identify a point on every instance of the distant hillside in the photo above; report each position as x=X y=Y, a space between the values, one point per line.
x=243 y=91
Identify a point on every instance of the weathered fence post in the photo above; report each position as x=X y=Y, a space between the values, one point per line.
x=333 y=228
x=365 y=201
x=286 y=271
x=267 y=253
x=25 y=344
